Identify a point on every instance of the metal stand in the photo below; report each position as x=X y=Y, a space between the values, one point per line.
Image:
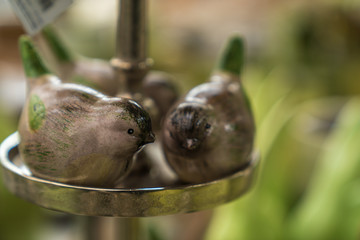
x=97 y=228
x=118 y=202
x=130 y=62
x=102 y=202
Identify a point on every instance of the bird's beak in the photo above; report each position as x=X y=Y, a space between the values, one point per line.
x=149 y=138
x=191 y=143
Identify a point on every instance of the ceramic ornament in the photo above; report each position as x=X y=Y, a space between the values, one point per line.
x=76 y=135
x=210 y=132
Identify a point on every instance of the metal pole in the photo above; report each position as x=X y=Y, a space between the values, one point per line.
x=111 y=228
x=131 y=65
x=131 y=31
x=130 y=61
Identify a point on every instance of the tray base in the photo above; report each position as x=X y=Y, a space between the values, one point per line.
x=119 y=202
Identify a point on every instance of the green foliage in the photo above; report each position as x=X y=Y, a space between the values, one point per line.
x=15 y=212
x=330 y=208
x=308 y=136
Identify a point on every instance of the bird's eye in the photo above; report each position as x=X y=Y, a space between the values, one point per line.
x=207 y=126
x=130 y=131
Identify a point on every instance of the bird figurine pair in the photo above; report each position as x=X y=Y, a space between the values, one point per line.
x=74 y=134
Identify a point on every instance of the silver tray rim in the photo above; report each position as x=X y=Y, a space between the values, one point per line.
x=121 y=202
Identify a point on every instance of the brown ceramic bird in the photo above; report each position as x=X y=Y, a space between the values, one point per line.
x=74 y=134
x=210 y=132
x=94 y=73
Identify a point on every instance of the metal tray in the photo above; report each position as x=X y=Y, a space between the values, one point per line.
x=118 y=202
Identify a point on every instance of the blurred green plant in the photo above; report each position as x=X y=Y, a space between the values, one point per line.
x=17 y=217
x=308 y=136
x=290 y=199
x=330 y=208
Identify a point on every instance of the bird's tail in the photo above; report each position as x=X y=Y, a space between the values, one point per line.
x=34 y=67
x=58 y=49
x=231 y=63
x=232 y=56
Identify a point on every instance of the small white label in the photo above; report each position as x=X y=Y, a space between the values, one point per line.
x=35 y=14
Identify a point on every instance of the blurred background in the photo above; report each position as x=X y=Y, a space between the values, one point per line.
x=302 y=75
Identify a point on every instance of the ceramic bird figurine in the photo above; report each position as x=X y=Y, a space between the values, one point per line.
x=74 y=134
x=160 y=88
x=94 y=73
x=210 y=132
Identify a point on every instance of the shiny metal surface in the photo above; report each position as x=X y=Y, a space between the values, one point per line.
x=131 y=36
x=139 y=202
x=130 y=61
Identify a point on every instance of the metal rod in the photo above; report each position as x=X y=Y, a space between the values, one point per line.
x=131 y=31
x=130 y=62
x=130 y=228
x=110 y=228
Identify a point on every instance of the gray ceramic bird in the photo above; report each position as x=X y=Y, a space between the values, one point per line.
x=74 y=134
x=94 y=73
x=210 y=132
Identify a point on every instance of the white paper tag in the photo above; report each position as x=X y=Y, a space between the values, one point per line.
x=35 y=14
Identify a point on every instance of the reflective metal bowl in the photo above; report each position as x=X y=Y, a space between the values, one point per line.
x=137 y=202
